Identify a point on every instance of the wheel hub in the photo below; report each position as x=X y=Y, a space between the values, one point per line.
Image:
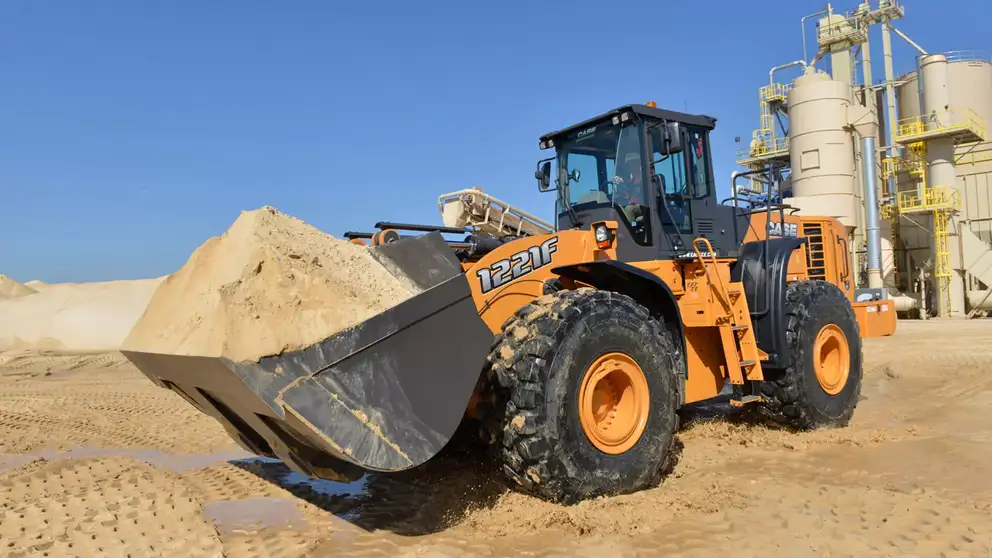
x=614 y=403
x=831 y=359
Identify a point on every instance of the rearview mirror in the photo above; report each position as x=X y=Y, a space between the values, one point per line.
x=672 y=141
x=543 y=175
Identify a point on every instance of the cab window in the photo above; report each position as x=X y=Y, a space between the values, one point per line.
x=697 y=148
x=676 y=215
x=670 y=167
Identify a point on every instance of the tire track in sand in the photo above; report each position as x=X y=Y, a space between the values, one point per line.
x=834 y=521
x=102 y=507
x=113 y=407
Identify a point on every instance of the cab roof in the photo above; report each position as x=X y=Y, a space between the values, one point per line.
x=701 y=120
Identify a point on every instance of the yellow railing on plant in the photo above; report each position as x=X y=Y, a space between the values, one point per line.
x=762 y=144
x=942 y=265
x=913 y=161
x=973 y=158
x=887 y=211
x=847 y=30
x=764 y=147
x=774 y=92
x=938 y=123
x=940 y=201
x=938 y=198
x=890 y=166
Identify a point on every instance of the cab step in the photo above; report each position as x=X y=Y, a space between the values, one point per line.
x=745 y=400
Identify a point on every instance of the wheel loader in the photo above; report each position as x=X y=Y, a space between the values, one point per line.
x=576 y=348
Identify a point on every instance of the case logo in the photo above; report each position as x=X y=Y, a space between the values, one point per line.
x=517 y=265
x=782 y=229
x=693 y=255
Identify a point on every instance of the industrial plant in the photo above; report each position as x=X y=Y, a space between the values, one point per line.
x=902 y=162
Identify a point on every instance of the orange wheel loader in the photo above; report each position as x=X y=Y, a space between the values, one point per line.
x=575 y=348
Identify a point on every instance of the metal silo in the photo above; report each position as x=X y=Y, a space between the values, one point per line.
x=907 y=93
x=970 y=79
x=821 y=150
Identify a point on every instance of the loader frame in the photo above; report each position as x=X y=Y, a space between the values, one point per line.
x=496 y=333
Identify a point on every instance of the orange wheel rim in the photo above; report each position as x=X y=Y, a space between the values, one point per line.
x=831 y=359
x=614 y=403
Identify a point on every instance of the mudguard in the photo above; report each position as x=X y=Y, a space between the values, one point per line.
x=385 y=395
x=762 y=268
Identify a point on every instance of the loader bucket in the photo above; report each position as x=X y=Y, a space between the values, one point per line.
x=385 y=395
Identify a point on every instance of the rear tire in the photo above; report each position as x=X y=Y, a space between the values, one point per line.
x=551 y=354
x=822 y=383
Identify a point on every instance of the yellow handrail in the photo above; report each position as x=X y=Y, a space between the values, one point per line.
x=847 y=29
x=774 y=92
x=950 y=120
x=762 y=143
x=940 y=201
x=764 y=146
x=937 y=198
x=913 y=161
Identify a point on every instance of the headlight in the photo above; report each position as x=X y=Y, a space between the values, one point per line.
x=602 y=234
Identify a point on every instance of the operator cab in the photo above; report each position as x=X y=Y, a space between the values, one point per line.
x=650 y=170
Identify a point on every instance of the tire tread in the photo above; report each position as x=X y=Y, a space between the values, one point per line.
x=785 y=392
x=521 y=361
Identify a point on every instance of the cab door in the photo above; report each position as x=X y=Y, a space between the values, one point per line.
x=715 y=222
x=675 y=206
x=690 y=206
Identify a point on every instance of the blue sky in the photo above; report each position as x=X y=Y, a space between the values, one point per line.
x=133 y=131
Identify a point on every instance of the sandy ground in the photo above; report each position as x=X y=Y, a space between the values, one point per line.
x=95 y=460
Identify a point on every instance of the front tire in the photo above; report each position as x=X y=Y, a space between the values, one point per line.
x=591 y=388
x=821 y=385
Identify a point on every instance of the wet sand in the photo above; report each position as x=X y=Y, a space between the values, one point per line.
x=97 y=461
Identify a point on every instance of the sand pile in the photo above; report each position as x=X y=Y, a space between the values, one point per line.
x=271 y=283
x=74 y=316
x=36 y=284
x=12 y=289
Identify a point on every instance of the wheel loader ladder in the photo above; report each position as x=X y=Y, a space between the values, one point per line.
x=740 y=347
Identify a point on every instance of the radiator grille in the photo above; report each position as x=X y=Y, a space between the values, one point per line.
x=815 y=255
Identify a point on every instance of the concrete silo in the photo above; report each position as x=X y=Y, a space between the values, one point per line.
x=824 y=123
x=821 y=150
